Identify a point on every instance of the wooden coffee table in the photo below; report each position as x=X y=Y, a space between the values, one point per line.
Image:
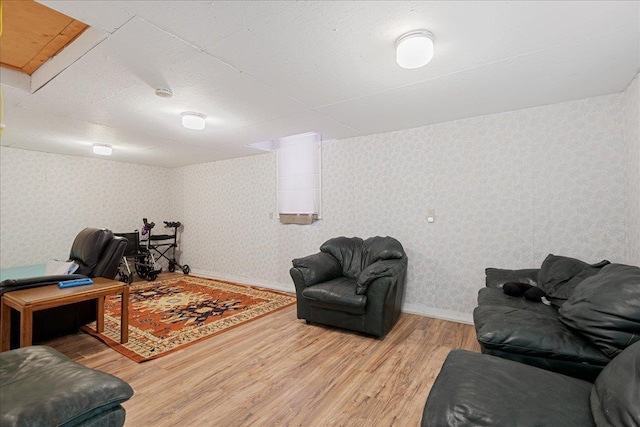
x=27 y=301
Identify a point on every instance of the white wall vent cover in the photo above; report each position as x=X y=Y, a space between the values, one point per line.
x=299 y=194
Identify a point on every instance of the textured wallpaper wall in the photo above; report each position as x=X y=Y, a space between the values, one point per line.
x=225 y=208
x=507 y=190
x=632 y=138
x=46 y=199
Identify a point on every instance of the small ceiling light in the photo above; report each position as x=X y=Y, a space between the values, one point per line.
x=164 y=92
x=194 y=121
x=414 y=49
x=102 y=149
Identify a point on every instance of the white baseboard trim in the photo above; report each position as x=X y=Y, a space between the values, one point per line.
x=243 y=280
x=438 y=313
x=419 y=309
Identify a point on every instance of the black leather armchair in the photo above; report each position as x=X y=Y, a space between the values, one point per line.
x=481 y=390
x=98 y=253
x=352 y=284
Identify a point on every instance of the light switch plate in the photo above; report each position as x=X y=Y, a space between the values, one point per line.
x=431 y=215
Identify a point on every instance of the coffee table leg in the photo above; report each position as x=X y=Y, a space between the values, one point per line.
x=26 y=326
x=100 y=315
x=124 y=315
x=5 y=327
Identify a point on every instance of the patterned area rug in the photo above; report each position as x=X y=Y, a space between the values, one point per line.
x=168 y=315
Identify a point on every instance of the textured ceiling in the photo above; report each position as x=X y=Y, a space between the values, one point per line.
x=262 y=70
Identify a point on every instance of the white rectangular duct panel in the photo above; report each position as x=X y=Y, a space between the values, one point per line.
x=299 y=178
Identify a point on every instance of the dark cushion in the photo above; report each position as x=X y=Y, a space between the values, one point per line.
x=318 y=268
x=559 y=276
x=605 y=308
x=496 y=277
x=87 y=248
x=562 y=293
x=533 y=333
x=534 y=294
x=40 y=386
x=516 y=289
x=615 y=397
x=479 y=390
x=530 y=292
x=556 y=270
x=497 y=297
x=348 y=252
x=338 y=294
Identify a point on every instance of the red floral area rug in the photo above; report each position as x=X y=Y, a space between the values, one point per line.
x=172 y=314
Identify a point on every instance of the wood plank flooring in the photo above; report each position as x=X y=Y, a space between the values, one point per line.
x=279 y=371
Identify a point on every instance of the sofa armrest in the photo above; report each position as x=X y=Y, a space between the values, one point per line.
x=384 y=268
x=315 y=268
x=496 y=277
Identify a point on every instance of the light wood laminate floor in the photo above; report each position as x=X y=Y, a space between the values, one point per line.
x=279 y=371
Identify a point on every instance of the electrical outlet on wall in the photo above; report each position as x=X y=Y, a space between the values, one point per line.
x=431 y=215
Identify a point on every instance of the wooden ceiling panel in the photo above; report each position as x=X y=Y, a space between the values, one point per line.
x=33 y=33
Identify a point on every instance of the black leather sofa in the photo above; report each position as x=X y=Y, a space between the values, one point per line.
x=42 y=387
x=478 y=390
x=593 y=316
x=98 y=253
x=353 y=284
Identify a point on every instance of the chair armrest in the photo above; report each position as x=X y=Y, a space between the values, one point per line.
x=110 y=259
x=496 y=277
x=383 y=268
x=34 y=282
x=316 y=268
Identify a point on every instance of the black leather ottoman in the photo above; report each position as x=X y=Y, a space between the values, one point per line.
x=42 y=387
x=481 y=390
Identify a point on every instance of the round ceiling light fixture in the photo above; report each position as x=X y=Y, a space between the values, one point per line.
x=164 y=92
x=414 y=49
x=102 y=149
x=193 y=121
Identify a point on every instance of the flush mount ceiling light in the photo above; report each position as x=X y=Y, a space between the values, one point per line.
x=414 y=49
x=102 y=149
x=194 y=121
x=164 y=92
